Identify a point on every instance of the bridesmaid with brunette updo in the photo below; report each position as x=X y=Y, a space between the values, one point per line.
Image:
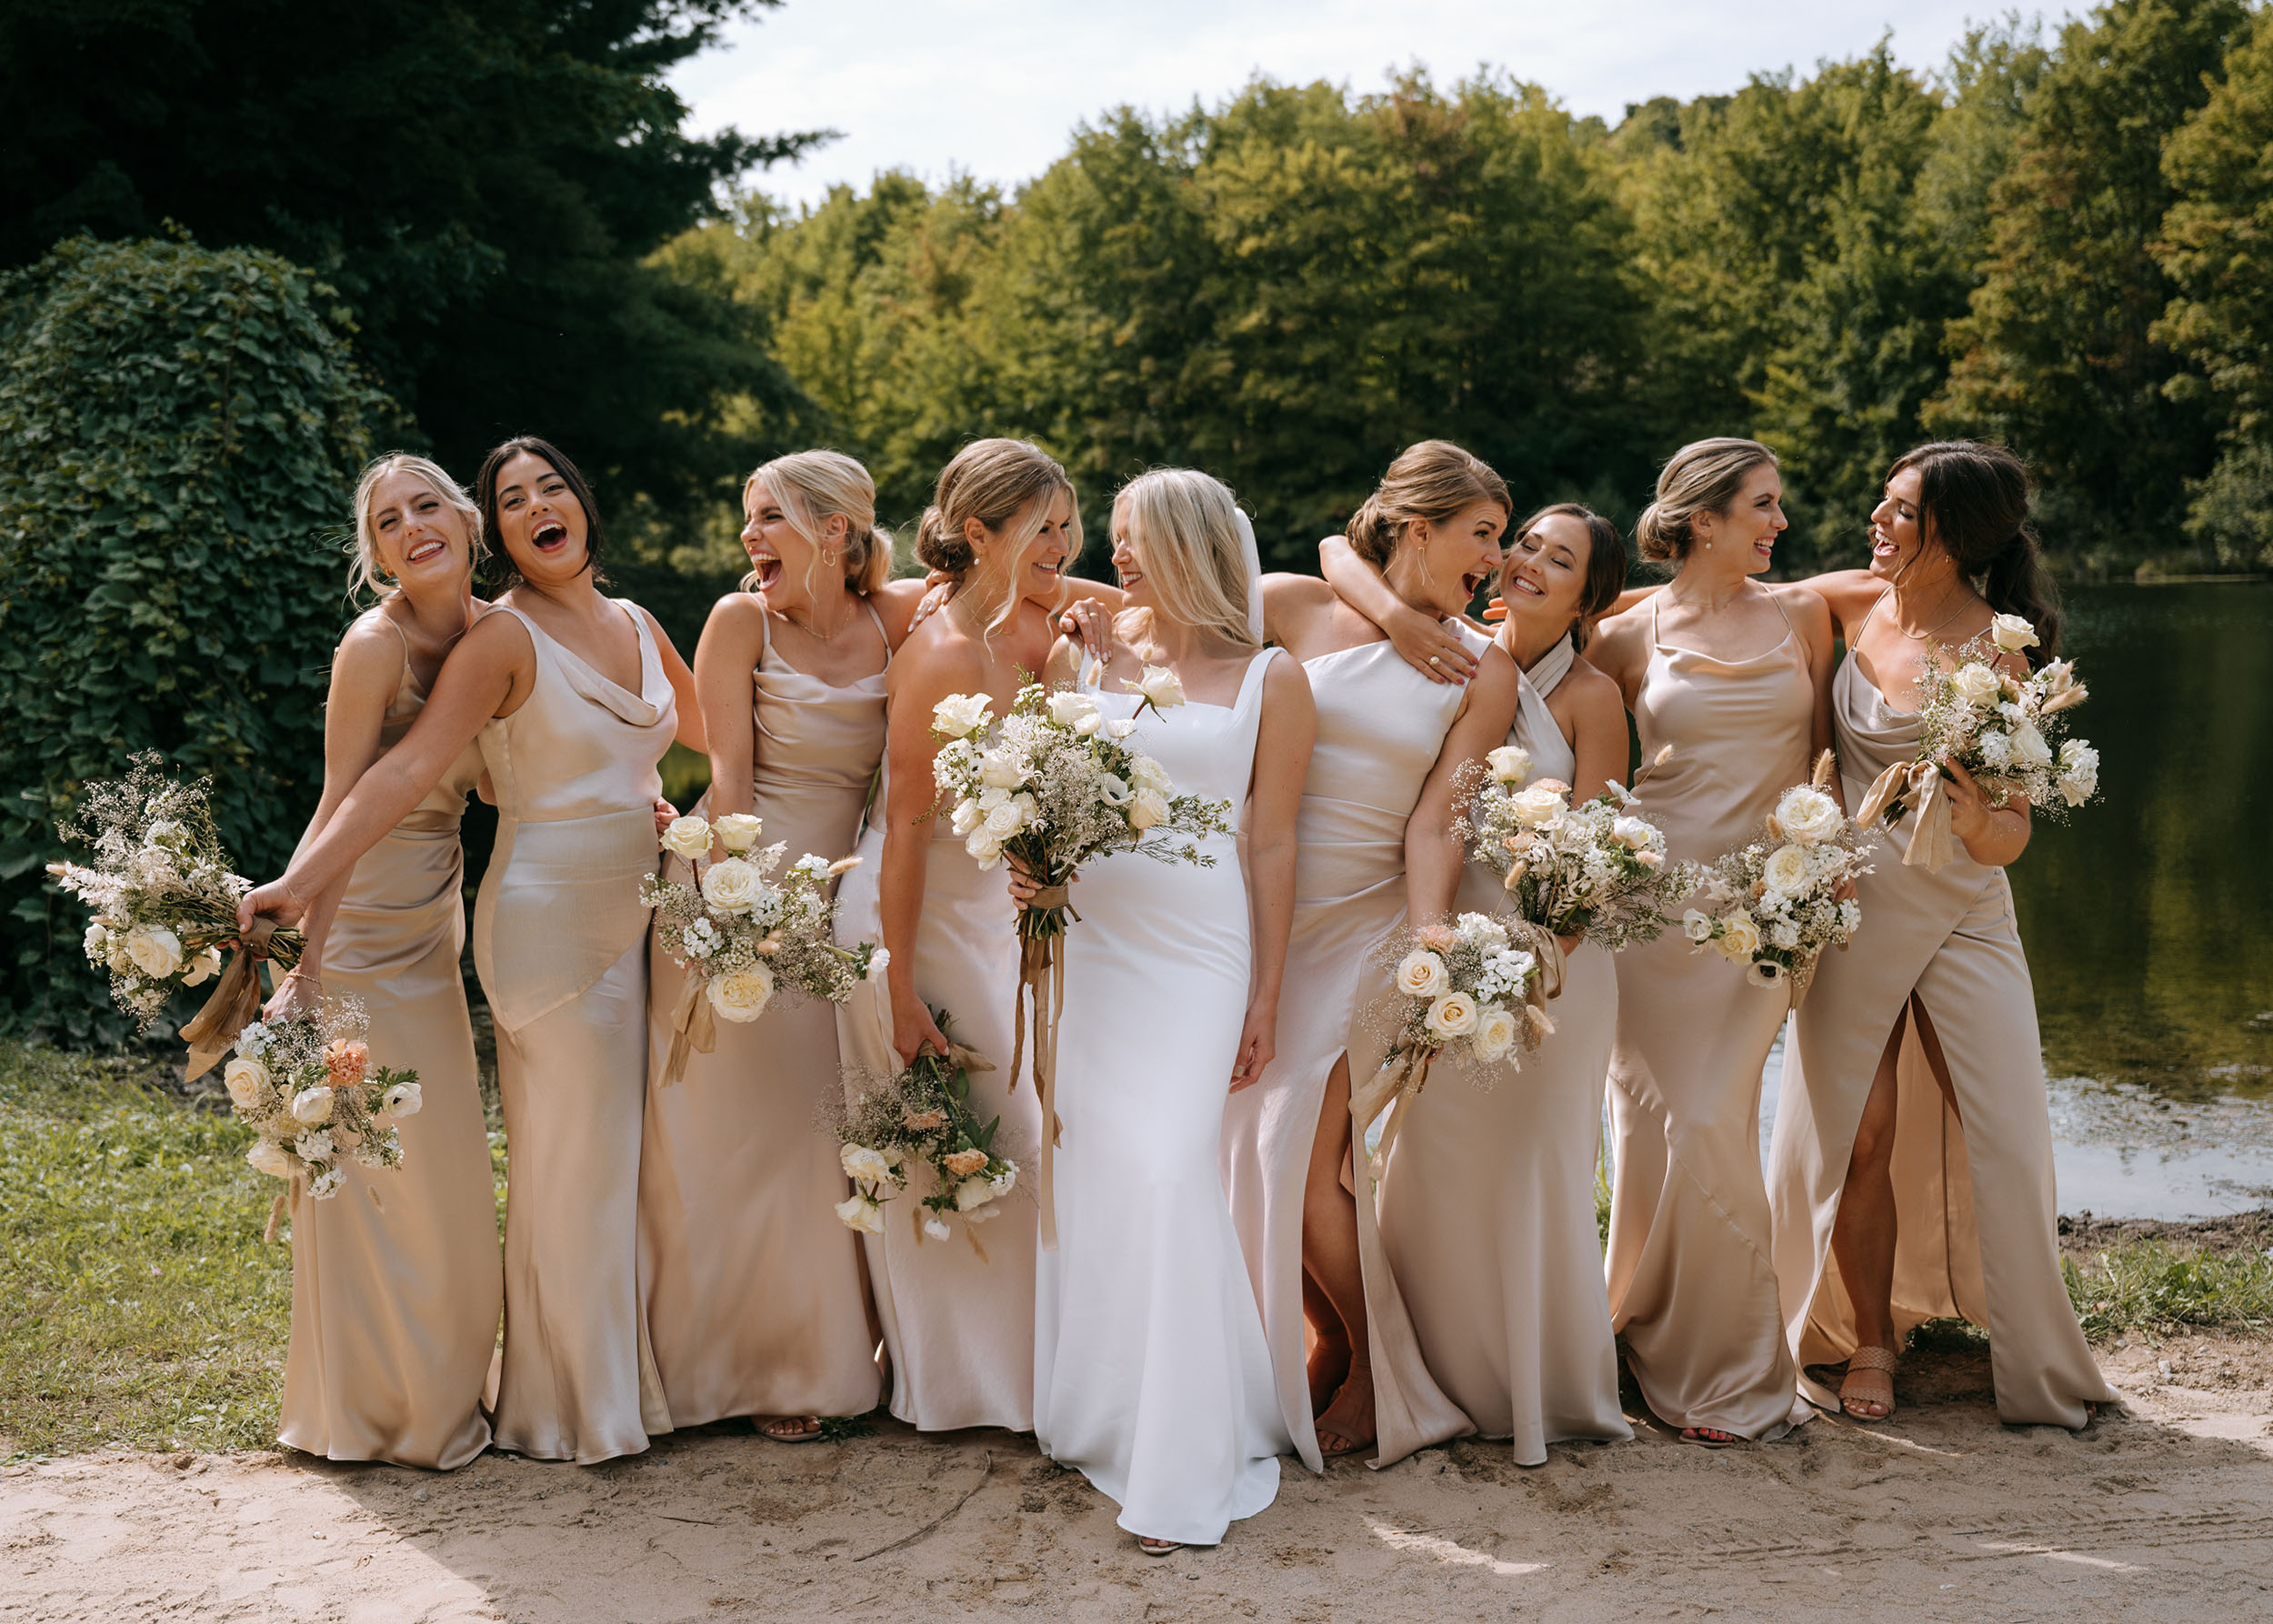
x=574 y=696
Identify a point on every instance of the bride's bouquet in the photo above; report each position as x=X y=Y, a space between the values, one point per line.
x=918 y=1127
x=742 y=935
x=2006 y=731
x=1050 y=786
x=165 y=902
x=1595 y=870
x=307 y=1086
x=1772 y=906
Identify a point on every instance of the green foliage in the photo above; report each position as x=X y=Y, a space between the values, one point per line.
x=2148 y=1286
x=179 y=432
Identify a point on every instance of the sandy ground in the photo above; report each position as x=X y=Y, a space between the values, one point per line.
x=2164 y=1513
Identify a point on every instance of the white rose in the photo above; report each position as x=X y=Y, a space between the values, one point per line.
x=879 y=961
x=402 y=1100
x=265 y=1156
x=204 y=967
x=1068 y=707
x=867 y=1165
x=967 y=815
x=688 y=837
x=1536 y=806
x=1150 y=807
x=862 y=1214
x=2030 y=748
x=313 y=1106
x=959 y=715
x=730 y=886
x=156 y=950
x=1000 y=769
x=1632 y=833
x=1739 y=936
x=1510 y=764
x=1150 y=775
x=1453 y=1016
x=1976 y=683
x=1421 y=974
x=1114 y=790
x=973 y=1192
x=1004 y=821
x=1808 y=814
x=1120 y=729
x=246 y=1080
x=985 y=847
x=2012 y=633
x=1159 y=686
x=1787 y=870
x=743 y=995
x=2079 y=772
x=738 y=831
x=1495 y=1036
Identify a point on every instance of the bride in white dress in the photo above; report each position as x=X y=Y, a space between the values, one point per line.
x=1150 y=1371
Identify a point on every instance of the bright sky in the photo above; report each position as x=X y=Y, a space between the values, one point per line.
x=997 y=86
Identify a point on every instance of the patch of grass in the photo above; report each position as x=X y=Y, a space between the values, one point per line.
x=137 y=1305
x=836 y=1429
x=1945 y=1336
x=2151 y=1285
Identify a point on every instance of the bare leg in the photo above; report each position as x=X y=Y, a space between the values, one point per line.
x=1329 y=1257
x=1328 y=1353
x=1862 y=1240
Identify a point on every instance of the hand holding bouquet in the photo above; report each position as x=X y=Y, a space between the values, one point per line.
x=1774 y=906
x=741 y=935
x=2005 y=731
x=922 y=1119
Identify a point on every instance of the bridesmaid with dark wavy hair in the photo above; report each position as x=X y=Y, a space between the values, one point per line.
x=1910 y=1172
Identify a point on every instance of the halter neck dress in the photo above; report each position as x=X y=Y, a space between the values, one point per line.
x=1487 y=1204
x=396 y=1281
x=1977 y=1230
x=1692 y=1289
x=750 y=1284
x=560 y=941
x=1380 y=726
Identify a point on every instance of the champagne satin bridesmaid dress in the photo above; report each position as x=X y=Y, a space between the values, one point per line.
x=1380 y=726
x=1977 y=1225
x=750 y=1283
x=395 y=1280
x=560 y=941
x=1487 y=1212
x=1692 y=1288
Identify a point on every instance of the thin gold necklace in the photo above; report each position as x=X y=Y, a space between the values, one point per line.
x=1921 y=636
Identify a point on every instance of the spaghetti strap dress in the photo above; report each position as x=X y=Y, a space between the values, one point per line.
x=1977 y=1224
x=750 y=1284
x=1692 y=1287
x=397 y=1280
x=560 y=941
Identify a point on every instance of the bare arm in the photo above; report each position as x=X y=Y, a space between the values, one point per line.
x=1416 y=637
x=1282 y=761
x=927 y=673
x=682 y=681
x=1433 y=854
x=1812 y=618
x=1598 y=731
x=733 y=638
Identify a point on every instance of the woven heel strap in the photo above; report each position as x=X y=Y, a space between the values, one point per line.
x=1872 y=1358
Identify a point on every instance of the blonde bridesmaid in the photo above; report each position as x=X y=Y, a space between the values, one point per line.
x=395 y=1280
x=1487 y=1204
x=957 y=1313
x=1432 y=527
x=1733 y=674
x=753 y=1289
x=1910 y=1171
x=574 y=696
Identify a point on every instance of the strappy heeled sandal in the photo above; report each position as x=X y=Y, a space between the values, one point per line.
x=1869 y=1360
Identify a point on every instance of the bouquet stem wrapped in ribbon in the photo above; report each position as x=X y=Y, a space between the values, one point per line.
x=1050 y=786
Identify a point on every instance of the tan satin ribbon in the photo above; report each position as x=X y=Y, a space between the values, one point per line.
x=693 y=1026
x=1042 y=974
x=1931 y=845
x=233 y=1006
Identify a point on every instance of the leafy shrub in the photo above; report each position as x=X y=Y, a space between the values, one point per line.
x=180 y=429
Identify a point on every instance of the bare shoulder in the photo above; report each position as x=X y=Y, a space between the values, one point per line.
x=1849 y=592
x=939 y=657
x=1497 y=681
x=736 y=611
x=1073 y=589
x=370 y=650
x=496 y=638
x=896 y=603
x=1809 y=609
x=1285 y=591
x=1589 y=684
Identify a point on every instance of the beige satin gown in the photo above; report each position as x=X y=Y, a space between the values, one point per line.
x=957 y=1315
x=1487 y=1204
x=560 y=941
x=750 y=1283
x=396 y=1279
x=1380 y=726
x=1692 y=1288
x=1975 y=1230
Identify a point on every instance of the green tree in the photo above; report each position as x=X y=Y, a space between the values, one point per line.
x=180 y=429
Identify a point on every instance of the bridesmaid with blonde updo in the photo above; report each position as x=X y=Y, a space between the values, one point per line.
x=396 y=1279
x=752 y=1287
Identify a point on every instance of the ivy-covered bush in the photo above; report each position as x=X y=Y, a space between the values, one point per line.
x=180 y=429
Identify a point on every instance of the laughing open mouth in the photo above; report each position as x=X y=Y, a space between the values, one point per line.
x=424 y=550
x=548 y=535
x=1475 y=579
x=768 y=569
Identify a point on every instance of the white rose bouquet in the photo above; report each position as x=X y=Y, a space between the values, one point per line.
x=2008 y=732
x=1595 y=870
x=165 y=902
x=742 y=935
x=1772 y=906
x=918 y=1131
x=307 y=1087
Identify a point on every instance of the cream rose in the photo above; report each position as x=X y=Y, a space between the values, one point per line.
x=984 y=848
x=973 y=1192
x=1421 y=974
x=738 y=831
x=1976 y=683
x=204 y=967
x=1159 y=686
x=1510 y=764
x=688 y=837
x=1739 y=935
x=862 y=1214
x=741 y=996
x=2028 y=746
x=2012 y=633
x=1808 y=814
x=1148 y=774
x=265 y=1156
x=960 y=715
x=313 y=1106
x=1495 y=1036
x=998 y=769
x=867 y=1165
x=246 y=1080
x=1070 y=708
x=1698 y=927
x=402 y=1100
x=1453 y=1016
x=1536 y=806
x=1787 y=870
x=730 y=886
x=1632 y=833
x=964 y=1163
x=156 y=950
x=1147 y=808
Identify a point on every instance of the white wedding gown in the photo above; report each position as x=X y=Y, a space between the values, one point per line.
x=1151 y=1375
